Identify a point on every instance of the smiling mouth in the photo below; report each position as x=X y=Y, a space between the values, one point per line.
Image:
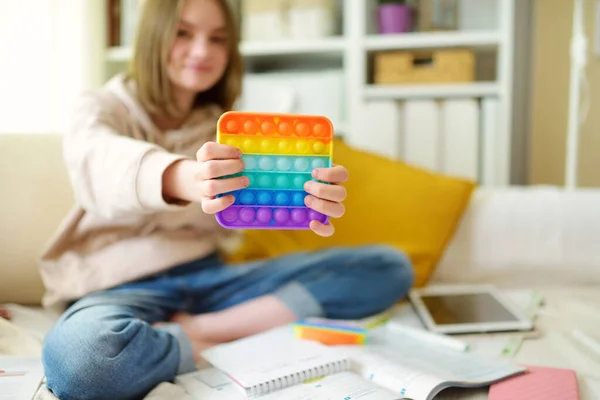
x=200 y=68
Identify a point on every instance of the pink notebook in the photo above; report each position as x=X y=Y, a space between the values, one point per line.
x=540 y=383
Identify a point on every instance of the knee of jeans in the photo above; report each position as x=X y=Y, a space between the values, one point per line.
x=395 y=271
x=85 y=358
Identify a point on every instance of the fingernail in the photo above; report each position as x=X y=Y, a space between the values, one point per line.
x=239 y=153
x=308 y=200
x=308 y=185
x=245 y=181
x=316 y=172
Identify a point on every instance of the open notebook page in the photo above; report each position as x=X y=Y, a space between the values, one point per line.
x=274 y=355
x=20 y=377
x=419 y=370
x=211 y=384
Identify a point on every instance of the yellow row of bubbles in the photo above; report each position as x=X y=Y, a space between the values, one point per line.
x=289 y=146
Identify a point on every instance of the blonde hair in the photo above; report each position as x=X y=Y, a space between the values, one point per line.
x=156 y=32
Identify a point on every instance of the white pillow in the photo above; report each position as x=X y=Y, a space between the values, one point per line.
x=526 y=235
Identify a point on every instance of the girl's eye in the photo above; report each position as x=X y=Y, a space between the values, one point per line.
x=182 y=33
x=219 y=39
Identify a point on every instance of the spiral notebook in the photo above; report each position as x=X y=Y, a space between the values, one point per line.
x=283 y=361
x=277 y=365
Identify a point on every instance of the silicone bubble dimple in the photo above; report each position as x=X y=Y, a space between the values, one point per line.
x=299 y=215
x=230 y=214
x=301 y=164
x=299 y=182
x=316 y=216
x=232 y=126
x=264 y=198
x=268 y=146
x=247 y=198
x=317 y=163
x=249 y=162
x=285 y=128
x=250 y=146
x=302 y=129
x=282 y=182
x=265 y=181
x=266 y=163
x=282 y=198
x=247 y=214
x=285 y=146
x=318 y=147
x=264 y=215
x=284 y=163
x=320 y=130
x=302 y=146
x=281 y=215
x=298 y=199
x=250 y=127
x=251 y=180
x=268 y=128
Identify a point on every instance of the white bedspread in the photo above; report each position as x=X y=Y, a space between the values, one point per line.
x=565 y=309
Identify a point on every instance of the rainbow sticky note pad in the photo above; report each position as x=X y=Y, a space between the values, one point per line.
x=280 y=151
x=330 y=333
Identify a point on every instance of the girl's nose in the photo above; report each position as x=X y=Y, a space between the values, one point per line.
x=199 y=48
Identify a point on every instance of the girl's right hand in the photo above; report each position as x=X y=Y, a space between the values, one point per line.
x=217 y=160
x=197 y=181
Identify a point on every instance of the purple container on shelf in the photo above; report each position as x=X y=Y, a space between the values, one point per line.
x=394 y=18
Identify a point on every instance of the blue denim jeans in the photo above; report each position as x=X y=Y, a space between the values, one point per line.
x=105 y=347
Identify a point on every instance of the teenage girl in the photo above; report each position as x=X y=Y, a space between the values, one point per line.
x=135 y=266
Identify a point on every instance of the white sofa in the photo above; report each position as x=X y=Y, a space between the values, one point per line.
x=536 y=237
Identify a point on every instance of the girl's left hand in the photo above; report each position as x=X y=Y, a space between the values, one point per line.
x=326 y=198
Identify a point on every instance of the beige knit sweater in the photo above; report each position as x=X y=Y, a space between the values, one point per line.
x=121 y=228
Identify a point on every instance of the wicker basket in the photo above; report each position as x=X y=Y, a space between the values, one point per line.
x=441 y=66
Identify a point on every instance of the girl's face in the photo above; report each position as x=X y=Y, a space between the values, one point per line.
x=198 y=57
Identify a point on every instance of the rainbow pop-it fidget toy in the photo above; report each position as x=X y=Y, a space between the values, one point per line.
x=279 y=151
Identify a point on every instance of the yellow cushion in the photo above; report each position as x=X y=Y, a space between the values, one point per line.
x=389 y=202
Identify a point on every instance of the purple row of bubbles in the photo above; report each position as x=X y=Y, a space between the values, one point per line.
x=266 y=216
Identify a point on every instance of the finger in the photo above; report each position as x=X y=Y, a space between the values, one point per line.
x=213 y=206
x=322 y=229
x=215 y=187
x=334 y=210
x=217 y=168
x=336 y=174
x=327 y=192
x=217 y=151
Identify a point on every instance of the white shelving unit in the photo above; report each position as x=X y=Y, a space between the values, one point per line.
x=295 y=47
x=431 y=40
x=478 y=89
x=353 y=50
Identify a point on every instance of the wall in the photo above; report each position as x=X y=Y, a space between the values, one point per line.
x=26 y=71
x=550 y=97
x=48 y=59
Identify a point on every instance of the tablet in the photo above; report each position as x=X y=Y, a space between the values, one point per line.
x=467 y=309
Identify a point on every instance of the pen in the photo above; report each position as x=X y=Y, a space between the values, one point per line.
x=431 y=337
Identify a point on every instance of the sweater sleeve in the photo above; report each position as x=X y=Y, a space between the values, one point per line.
x=113 y=175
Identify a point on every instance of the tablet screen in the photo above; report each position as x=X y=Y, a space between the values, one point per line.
x=473 y=308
